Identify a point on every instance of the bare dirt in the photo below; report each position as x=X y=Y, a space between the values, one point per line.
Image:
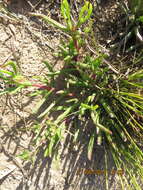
x=29 y=42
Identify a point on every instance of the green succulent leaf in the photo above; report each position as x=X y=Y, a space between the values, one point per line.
x=65 y=10
x=85 y=13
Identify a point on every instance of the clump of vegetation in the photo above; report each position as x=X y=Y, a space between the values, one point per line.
x=90 y=91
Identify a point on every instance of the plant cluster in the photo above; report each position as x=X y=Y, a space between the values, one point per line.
x=90 y=91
